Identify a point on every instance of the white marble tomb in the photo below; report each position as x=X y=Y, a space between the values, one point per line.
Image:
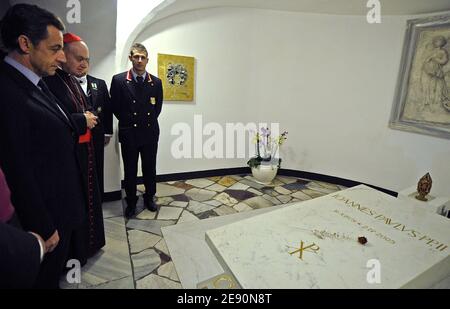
x=194 y=261
x=314 y=244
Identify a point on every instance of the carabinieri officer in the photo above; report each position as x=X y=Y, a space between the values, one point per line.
x=137 y=98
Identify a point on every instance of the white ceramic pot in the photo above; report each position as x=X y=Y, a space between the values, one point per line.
x=265 y=174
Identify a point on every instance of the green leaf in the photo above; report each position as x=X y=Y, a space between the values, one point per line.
x=254 y=162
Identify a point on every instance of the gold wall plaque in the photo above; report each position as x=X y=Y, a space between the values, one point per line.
x=177 y=75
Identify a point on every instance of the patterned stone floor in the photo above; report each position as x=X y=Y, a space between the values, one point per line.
x=136 y=255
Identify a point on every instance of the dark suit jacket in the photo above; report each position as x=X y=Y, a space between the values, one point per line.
x=63 y=93
x=99 y=100
x=137 y=112
x=38 y=157
x=20 y=257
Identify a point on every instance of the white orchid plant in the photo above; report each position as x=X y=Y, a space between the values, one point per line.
x=267 y=146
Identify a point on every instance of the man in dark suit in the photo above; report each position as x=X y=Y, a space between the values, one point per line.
x=38 y=137
x=91 y=238
x=137 y=98
x=21 y=254
x=98 y=97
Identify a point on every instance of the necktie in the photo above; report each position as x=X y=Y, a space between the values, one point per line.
x=83 y=84
x=140 y=80
x=82 y=80
x=45 y=89
x=50 y=95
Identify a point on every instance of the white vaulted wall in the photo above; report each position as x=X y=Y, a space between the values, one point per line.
x=327 y=79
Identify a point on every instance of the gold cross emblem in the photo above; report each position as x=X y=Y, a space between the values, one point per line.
x=313 y=248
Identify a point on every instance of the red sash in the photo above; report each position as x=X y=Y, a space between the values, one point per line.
x=86 y=138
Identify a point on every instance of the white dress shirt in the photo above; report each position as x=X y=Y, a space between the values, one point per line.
x=135 y=75
x=83 y=83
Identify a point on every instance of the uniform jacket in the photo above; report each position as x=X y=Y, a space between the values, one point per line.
x=137 y=110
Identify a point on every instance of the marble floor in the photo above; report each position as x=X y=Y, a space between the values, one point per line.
x=136 y=255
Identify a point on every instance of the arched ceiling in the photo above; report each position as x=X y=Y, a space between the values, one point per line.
x=333 y=7
x=165 y=8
